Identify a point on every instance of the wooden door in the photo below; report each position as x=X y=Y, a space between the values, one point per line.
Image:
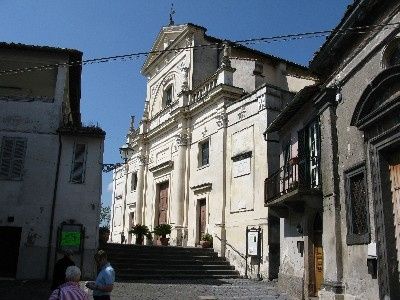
x=202 y=217
x=10 y=238
x=394 y=168
x=318 y=271
x=163 y=203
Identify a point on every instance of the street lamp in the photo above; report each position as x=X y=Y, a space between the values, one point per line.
x=125 y=151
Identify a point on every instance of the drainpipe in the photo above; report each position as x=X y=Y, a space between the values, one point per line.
x=53 y=206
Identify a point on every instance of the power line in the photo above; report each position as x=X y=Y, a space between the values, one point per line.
x=272 y=39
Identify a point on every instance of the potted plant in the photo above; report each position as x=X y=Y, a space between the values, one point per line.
x=162 y=230
x=140 y=231
x=149 y=239
x=206 y=240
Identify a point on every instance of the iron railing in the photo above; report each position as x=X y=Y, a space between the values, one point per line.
x=294 y=175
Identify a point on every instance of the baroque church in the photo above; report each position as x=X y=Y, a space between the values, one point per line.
x=198 y=159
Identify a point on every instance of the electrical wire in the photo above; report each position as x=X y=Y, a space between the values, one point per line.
x=272 y=39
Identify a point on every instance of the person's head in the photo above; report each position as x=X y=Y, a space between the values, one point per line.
x=68 y=253
x=72 y=274
x=101 y=258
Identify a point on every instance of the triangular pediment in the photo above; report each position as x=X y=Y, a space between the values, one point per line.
x=164 y=38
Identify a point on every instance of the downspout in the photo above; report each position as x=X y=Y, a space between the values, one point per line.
x=53 y=206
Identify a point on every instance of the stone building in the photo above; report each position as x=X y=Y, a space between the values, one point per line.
x=50 y=165
x=356 y=111
x=198 y=160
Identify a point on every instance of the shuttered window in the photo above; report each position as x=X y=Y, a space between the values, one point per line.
x=358 y=228
x=12 y=158
x=78 y=164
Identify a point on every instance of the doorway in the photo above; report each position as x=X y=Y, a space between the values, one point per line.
x=162 y=203
x=9 y=250
x=202 y=218
x=318 y=257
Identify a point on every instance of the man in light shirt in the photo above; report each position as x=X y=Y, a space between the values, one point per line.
x=104 y=283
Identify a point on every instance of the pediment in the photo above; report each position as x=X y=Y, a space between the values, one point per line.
x=164 y=38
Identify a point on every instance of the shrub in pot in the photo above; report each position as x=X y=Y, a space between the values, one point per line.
x=162 y=230
x=206 y=240
x=140 y=231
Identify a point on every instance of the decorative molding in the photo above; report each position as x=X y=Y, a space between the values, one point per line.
x=143 y=159
x=162 y=167
x=242 y=156
x=204 y=132
x=222 y=119
x=182 y=139
x=262 y=102
x=202 y=187
x=242 y=113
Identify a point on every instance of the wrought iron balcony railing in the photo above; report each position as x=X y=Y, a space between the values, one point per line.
x=295 y=175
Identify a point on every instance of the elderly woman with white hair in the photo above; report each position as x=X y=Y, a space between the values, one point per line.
x=70 y=290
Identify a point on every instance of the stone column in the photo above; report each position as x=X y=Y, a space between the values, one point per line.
x=139 y=190
x=178 y=196
x=332 y=287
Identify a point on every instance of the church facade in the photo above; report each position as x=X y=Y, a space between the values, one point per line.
x=198 y=157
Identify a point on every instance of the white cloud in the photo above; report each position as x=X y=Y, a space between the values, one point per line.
x=110 y=187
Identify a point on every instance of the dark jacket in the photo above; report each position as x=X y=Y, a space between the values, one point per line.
x=59 y=271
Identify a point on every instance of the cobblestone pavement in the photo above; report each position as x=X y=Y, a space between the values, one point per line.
x=240 y=289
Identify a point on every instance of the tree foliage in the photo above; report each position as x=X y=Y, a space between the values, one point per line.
x=105 y=215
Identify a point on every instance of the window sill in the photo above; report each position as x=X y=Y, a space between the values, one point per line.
x=203 y=167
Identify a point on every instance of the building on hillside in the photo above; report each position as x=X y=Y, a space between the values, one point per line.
x=198 y=158
x=357 y=108
x=50 y=164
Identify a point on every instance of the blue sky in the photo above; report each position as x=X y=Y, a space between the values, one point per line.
x=112 y=92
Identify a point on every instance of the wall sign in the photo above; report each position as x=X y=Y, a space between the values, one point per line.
x=70 y=236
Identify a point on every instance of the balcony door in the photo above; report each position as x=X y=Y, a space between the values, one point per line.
x=313 y=147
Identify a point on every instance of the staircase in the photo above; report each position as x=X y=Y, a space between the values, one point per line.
x=133 y=262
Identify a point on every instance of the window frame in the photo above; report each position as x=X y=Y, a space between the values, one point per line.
x=351 y=237
x=73 y=163
x=200 y=153
x=134 y=182
x=11 y=170
x=169 y=89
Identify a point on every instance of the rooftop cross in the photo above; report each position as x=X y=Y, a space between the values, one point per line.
x=171 y=13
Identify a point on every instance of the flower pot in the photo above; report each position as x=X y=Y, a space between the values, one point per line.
x=164 y=241
x=139 y=239
x=205 y=244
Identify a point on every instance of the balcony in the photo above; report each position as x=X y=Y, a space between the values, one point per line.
x=294 y=186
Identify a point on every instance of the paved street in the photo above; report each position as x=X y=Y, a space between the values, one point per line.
x=186 y=290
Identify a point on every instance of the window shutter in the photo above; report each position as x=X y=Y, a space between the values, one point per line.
x=302 y=156
x=6 y=157
x=78 y=165
x=18 y=159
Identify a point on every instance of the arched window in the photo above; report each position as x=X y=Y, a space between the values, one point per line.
x=391 y=56
x=168 y=95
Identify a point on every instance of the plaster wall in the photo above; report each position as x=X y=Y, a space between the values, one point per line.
x=357 y=72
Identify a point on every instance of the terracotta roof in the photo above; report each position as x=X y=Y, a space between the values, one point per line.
x=4 y=45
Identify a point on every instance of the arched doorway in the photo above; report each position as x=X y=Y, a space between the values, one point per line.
x=376 y=114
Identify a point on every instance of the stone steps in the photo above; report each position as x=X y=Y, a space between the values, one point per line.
x=135 y=262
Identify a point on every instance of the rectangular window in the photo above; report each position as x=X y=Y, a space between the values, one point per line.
x=12 y=158
x=204 y=149
x=133 y=181
x=357 y=209
x=78 y=164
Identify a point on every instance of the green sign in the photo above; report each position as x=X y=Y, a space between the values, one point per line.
x=70 y=238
